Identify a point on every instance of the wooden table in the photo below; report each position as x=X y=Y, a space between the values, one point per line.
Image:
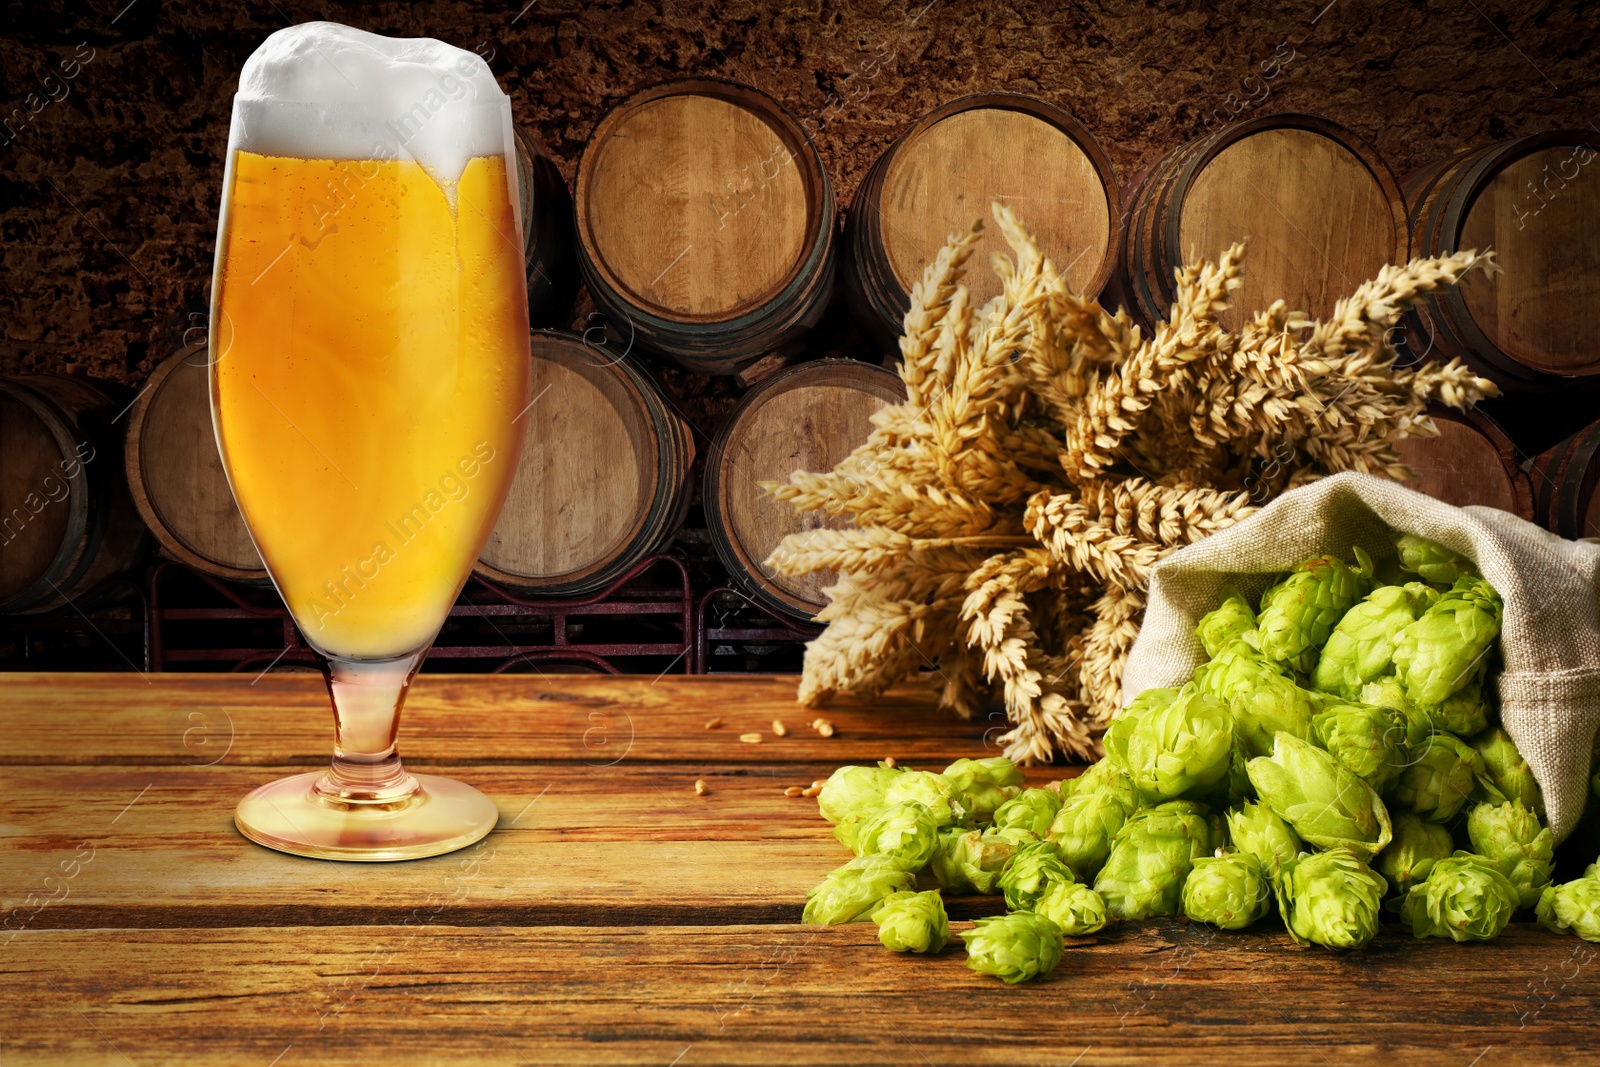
x=616 y=916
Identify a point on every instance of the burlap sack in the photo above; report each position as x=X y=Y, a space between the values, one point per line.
x=1550 y=686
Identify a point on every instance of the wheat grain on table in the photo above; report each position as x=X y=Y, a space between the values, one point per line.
x=617 y=915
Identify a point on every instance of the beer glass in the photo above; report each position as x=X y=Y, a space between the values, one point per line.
x=369 y=359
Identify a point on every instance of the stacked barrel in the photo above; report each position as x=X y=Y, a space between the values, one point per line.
x=703 y=225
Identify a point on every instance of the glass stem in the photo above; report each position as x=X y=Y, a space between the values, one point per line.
x=367 y=697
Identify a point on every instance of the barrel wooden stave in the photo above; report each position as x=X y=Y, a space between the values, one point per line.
x=603 y=478
x=1319 y=210
x=807 y=418
x=546 y=207
x=1471 y=461
x=175 y=473
x=705 y=223
x=941 y=176
x=67 y=522
x=1566 y=481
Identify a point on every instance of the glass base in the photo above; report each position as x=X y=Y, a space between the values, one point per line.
x=292 y=815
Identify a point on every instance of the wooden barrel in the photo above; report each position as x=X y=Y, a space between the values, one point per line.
x=1320 y=210
x=1535 y=325
x=603 y=479
x=807 y=418
x=1566 y=482
x=705 y=223
x=66 y=520
x=945 y=172
x=1472 y=461
x=546 y=233
x=175 y=472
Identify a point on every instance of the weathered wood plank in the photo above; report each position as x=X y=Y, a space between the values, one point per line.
x=577 y=845
x=284 y=719
x=1160 y=993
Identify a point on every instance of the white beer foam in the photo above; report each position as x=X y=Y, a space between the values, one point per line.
x=321 y=90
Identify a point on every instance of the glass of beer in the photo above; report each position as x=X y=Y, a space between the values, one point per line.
x=369 y=360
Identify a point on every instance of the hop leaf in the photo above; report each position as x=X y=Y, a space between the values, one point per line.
x=912 y=922
x=1181 y=747
x=1510 y=837
x=1227 y=890
x=1417 y=846
x=1299 y=613
x=1031 y=809
x=1015 y=947
x=1030 y=872
x=1505 y=767
x=1257 y=831
x=982 y=785
x=905 y=832
x=1447 y=646
x=1572 y=908
x=1463 y=898
x=1228 y=622
x=851 y=892
x=1074 y=907
x=1432 y=562
x=1330 y=899
x=1324 y=801
x=1150 y=858
x=1367 y=739
x=1361 y=647
x=851 y=796
x=1440 y=778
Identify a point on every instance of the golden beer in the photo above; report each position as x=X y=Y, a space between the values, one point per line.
x=372 y=354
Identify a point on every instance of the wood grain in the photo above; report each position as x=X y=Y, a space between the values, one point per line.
x=427 y=992
x=175 y=472
x=1318 y=221
x=1541 y=215
x=1471 y=461
x=942 y=179
x=808 y=418
x=692 y=206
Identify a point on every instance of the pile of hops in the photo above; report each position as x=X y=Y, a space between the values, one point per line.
x=1337 y=753
x=1007 y=515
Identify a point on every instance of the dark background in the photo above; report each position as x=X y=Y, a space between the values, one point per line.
x=109 y=192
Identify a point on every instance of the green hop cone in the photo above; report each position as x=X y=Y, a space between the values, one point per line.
x=1463 y=712
x=1074 y=907
x=1031 y=809
x=1127 y=720
x=1330 y=899
x=1572 y=908
x=1432 y=562
x=1440 y=778
x=1505 y=767
x=904 y=832
x=1510 y=837
x=1150 y=858
x=1228 y=889
x=1091 y=817
x=1463 y=898
x=1228 y=622
x=1326 y=803
x=1417 y=846
x=1182 y=747
x=1367 y=739
x=1030 y=872
x=1362 y=645
x=1299 y=613
x=1015 y=947
x=851 y=892
x=933 y=791
x=1274 y=705
x=1447 y=646
x=909 y=921
x=1256 y=830
x=851 y=796
x=1385 y=692
x=982 y=785
x=970 y=861
x=1237 y=669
